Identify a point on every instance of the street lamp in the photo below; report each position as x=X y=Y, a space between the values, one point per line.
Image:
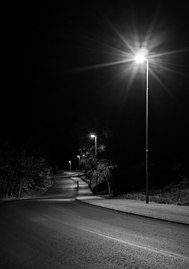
x=78 y=162
x=70 y=165
x=141 y=57
x=95 y=138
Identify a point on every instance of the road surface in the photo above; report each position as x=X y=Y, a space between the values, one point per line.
x=57 y=231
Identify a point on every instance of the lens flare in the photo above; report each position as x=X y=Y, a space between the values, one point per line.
x=126 y=51
x=141 y=55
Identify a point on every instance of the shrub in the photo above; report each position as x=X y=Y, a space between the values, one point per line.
x=21 y=173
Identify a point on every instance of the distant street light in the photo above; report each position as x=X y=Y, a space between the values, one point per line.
x=70 y=165
x=141 y=57
x=78 y=162
x=95 y=138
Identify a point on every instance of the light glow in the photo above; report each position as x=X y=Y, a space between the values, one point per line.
x=141 y=56
x=127 y=51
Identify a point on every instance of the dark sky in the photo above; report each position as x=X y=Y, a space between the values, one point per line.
x=54 y=93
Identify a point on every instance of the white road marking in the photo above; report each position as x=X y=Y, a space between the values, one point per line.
x=162 y=252
x=56 y=199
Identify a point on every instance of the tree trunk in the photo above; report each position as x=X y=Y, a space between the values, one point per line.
x=8 y=188
x=108 y=184
x=5 y=186
x=96 y=184
x=109 y=189
x=20 y=188
x=12 y=189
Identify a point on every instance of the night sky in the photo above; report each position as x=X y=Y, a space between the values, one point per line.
x=66 y=76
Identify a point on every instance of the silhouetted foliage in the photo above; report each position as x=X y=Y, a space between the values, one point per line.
x=132 y=179
x=97 y=169
x=21 y=173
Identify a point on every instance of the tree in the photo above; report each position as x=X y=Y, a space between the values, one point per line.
x=21 y=172
x=97 y=169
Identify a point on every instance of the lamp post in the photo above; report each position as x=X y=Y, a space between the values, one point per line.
x=78 y=162
x=141 y=57
x=70 y=165
x=95 y=138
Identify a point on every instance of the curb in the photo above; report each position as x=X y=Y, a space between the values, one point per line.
x=131 y=213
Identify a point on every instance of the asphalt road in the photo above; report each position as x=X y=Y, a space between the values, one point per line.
x=56 y=231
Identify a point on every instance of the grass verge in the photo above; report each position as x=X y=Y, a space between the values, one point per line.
x=171 y=194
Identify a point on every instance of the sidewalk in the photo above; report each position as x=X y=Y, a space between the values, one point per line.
x=174 y=213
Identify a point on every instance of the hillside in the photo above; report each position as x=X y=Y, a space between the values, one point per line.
x=170 y=194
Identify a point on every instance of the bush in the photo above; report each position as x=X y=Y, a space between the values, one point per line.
x=21 y=173
x=97 y=170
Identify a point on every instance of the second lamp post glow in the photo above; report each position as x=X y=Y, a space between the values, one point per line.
x=78 y=162
x=95 y=138
x=70 y=165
